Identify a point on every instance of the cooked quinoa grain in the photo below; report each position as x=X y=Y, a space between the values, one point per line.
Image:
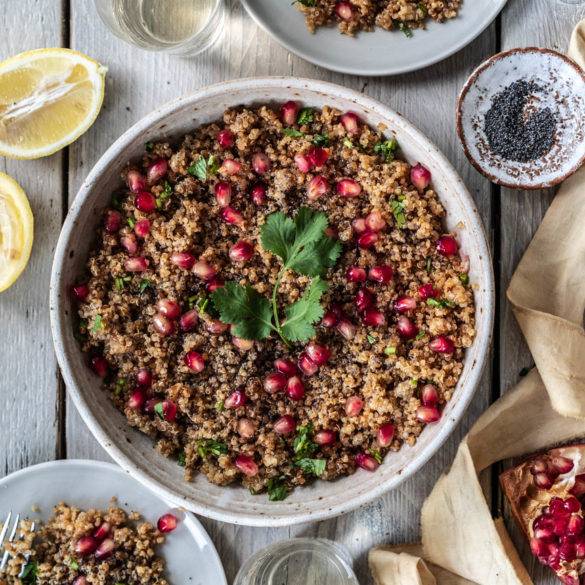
x=396 y=317
x=351 y=17
x=91 y=547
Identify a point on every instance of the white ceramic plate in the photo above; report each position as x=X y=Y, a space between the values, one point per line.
x=188 y=551
x=373 y=53
x=132 y=449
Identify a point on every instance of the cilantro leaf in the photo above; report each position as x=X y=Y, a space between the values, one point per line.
x=97 y=324
x=202 y=168
x=144 y=284
x=386 y=149
x=301 y=315
x=292 y=132
x=165 y=194
x=397 y=207
x=306 y=116
x=206 y=447
x=303 y=444
x=464 y=278
x=278 y=234
x=317 y=257
x=29 y=575
x=312 y=466
x=245 y=308
x=277 y=490
x=321 y=140
x=182 y=459
x=441 y=303
x=377 y=455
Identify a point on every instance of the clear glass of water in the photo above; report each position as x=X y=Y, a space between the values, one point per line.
x=299 y=561
x=179 y=27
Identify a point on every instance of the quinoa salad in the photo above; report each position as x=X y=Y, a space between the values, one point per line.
x=87 y=547
x=351 y=17
x=275 y=298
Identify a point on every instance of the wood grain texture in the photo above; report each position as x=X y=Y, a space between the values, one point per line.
x=29 y=419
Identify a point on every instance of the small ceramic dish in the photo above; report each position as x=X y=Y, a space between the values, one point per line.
x=557 y=84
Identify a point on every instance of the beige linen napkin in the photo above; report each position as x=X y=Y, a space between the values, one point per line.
x=548 y=296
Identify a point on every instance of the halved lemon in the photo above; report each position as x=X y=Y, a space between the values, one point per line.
x=48 y=99
x=16 y=231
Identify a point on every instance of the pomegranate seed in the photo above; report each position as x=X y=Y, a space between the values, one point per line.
x=567 y=552
x=345 y=11
x=367 y=240
x=386 y=434
x=295 y=389
x=288 y=113
x=246 y=428
x=145 y=202
x=540 y=466
x=169 y=410
x=144 y=378
x=194 y=361
x=189 y=320
x=364 y=460
x=81 y=580
x=105 y=549
x=230 y=167
x=102 y=531
x=287 y=367
x=136 y=400
x=580 y=547
x=214 y=284
x=442 y=344
x=330 y=319
x=168 y=308
x=285 y=425
x=429 y=395
x=236 y=399
x=350 y=122
x=404 y=304
x=163 y=325
x=86 y=545
x=137 y=264
x=569 y=579
x=80 y=292
x=572 y=505
x=142 y=228
x=373 y=318
x=99 y=365
x=375 y=222
x=428 y=414
x=113 y=221
x=275 y=382
x=135 y=181
x=317 y=156
x=578 y=488
x=201 y=269
x=359 y=225
x=246 y=465
x=353 y=405
x=346 y=328
x=260 y=163
x=225 y=139
x=427 y=291
x=232 y=216
x=216 y=327
x=241 y=251
x=356 y=274
x=447 y=246
x=381 y=274
x=557 y=507
x=544 y=533
x=150 y=404
x=167 y=523
x=318 y=353
x=242 y=344
x=538 y=547
x=576 y=525
x=348 y=188
x=183 y=260
x=258 y=194
x=317 y=186
x=325 y=438
x=223 y=193
x=157 y=170
x=307 y=365
x=302 y=163
x=364 y=299
x=406 y=328
x=543 y=481
x=420 y=177
x=562 y=464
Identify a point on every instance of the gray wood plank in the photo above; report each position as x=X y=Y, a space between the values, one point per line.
x=551 y=23
x=29 y=382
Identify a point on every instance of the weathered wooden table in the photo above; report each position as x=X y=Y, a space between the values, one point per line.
x=37 y=421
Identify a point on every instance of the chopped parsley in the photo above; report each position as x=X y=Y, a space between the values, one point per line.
x=120 y=386
x=29 y=575
x=390 y=350
x=464 y=278
x=131 y=222
x=201 y=303
x=405 y=29
x=220 y=406
x=97 y=324
x=144 y=284
x=292 y=132
x=277 y=490
x=120 y=282
x=414 y=382
x=387 y=149
x=420 y=335
x=347 y=143
x=158 y=408
x=182 y=459
x=204 y=168
x=397 y=206
x=376 y=455
x=441 y=303
x=206 y=447
x=371 y=338
x=311 y=466
x=321 y=140
x=73 y=564
x=149 y=146
x=306 y=116
x=165 y=194
x=303 y=444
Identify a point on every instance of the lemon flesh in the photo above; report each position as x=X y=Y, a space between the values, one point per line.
x=16 y=231
x=48 y=98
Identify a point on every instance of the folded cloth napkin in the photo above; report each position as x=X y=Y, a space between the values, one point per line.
x=461 y=542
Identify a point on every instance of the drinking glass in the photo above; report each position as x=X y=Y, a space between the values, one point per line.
x=179 y=27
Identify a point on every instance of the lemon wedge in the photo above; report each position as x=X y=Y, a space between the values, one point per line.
x=16 y=231
x=48 y=99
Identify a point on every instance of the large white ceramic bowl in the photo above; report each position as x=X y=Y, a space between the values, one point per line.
x=133 y=450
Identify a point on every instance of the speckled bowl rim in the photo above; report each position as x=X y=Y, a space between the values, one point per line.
x=477 y=354
x=463 y=94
